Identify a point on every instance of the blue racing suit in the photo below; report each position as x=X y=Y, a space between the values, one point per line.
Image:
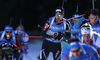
x=88 y=53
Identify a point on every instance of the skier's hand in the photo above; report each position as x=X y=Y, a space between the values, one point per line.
x=12 y=45
x=4 y=44
x=59 y=36
x=47 y=27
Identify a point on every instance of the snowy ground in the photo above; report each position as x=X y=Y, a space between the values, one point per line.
x=34 y=49
x=35 y=45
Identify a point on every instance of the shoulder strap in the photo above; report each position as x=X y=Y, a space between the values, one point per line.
x=65 y=24
x=2 y=35
x=14 y=36
x=53 y=18
x=94 y=40
x=84 y=51
x=82 y=39
x=70 y=55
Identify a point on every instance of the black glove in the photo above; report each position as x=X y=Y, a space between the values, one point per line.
x=59 y=36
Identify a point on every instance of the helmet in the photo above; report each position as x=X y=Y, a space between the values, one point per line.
x=60 y=10
x=8 y=28
x=76 y=16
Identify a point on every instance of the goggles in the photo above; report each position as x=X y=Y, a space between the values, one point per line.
x=8 y=31
x=85 y=28
x=59 y=15
x=94 y=11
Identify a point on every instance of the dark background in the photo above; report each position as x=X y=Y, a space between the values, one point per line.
x=35 y=12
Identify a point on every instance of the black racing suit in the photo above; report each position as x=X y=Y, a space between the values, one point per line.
x=53 y=47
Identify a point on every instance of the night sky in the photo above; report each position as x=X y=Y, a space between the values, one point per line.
x=35 y=12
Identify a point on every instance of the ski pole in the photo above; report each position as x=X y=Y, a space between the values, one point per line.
x=34 y=36
x=66 y=20
x=26 y=54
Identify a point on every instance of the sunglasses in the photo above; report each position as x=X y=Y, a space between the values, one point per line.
x=94 y=11
x=58 y=14
x=8 y=31
x=75 y=50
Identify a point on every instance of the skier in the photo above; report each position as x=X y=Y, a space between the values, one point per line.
x=52 y=33
x=7 y=43
x=21 y=41
x=74 y=32
x=79 y=51
x=87 y=36
x=93 y=21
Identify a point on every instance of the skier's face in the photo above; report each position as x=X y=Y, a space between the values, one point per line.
x=86 y=38
x=8 y=33
x=59 y=16
x=18 y=31
x=76 y=52
x=93 y=19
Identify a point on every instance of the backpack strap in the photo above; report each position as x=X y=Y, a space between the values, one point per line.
x=2 y=35
x=52 y=21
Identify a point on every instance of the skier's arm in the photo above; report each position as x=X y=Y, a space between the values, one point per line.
x=45 y=29
x=25 y=39
x=78 y=23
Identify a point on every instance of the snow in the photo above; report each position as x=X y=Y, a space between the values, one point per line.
x=34 y=49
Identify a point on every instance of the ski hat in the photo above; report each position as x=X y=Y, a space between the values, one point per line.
x=76 y=16
x=60 y=10
x=74 y=45
x=85 y=30
x=8 y=28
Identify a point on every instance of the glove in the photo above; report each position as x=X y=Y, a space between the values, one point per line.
x=59 y=36
x=11 y=46
x=4 y=44
x=47 y=27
